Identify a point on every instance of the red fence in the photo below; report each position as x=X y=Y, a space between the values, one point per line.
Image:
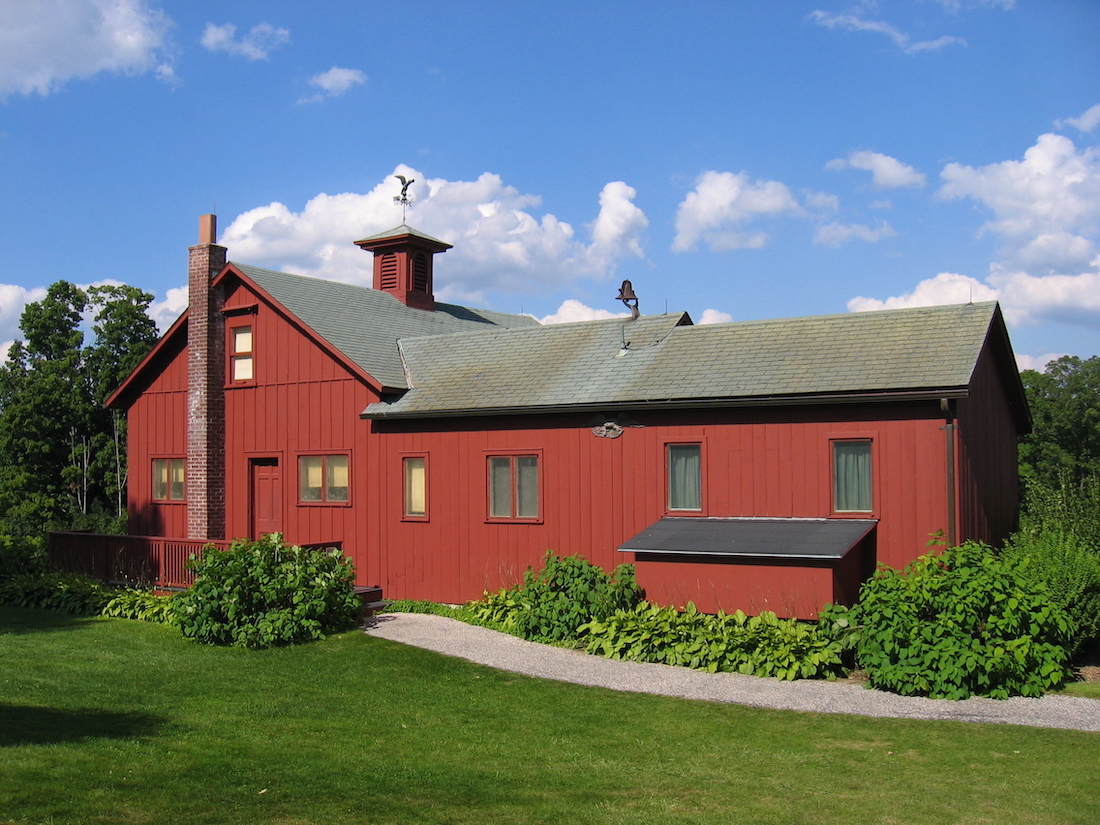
x=147 y=560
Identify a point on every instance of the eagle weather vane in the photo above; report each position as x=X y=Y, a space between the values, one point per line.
x=404 y=198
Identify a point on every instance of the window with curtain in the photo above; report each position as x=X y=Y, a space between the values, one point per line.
x=323 y=478
x=685 y=477
x=513 y=486
x=852 y=476
x=168 y=479
x=416 y=486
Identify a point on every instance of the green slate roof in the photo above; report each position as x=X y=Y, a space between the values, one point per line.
x=657 y=360
x=365 y=324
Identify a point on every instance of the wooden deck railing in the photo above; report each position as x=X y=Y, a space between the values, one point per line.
x=151 y=561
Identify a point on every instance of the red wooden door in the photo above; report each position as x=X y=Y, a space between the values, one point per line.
x=267 y=497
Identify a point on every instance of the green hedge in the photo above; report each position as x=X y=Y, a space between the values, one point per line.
x=265 y=593
x=50 y=590
x=763 y=645
x=554 y=602
x=958 y=623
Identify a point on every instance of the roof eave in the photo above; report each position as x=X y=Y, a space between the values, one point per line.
x=927 y=394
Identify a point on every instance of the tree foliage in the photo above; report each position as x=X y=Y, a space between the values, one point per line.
x=1065 y=408
x=62 y=454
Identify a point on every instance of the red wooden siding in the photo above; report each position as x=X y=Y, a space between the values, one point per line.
x=988 y=461
x=303 y=401
x=157 y=428
x=597 y=492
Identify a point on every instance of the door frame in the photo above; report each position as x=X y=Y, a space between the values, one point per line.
x=265 y=460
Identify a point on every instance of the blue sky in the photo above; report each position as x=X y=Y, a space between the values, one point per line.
x=737 y=160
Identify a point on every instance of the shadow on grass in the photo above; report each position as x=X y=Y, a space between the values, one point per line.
x=22 y=620
x=31 y=725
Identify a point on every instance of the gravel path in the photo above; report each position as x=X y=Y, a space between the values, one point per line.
x=504 y=652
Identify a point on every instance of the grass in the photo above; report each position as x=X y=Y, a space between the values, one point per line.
x=107 y=720
x=1090 y=690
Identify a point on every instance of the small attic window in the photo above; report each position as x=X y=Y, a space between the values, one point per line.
x=240 y=357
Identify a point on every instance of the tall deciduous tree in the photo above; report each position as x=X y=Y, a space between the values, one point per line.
x=62 y=455
x=1065 y=408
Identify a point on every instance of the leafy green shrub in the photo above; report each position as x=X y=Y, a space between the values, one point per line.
x=50 y=590
x=1071 y=573
x=554 y=602
x=763 y=645
x=142 y=605
x=960 y=623
x=264 y=593
x=22 y=556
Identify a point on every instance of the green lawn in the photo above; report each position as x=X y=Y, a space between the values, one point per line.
x=1090 y=690
x=121 y=722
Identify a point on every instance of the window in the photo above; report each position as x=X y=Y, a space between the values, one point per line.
x=240 y=354
x=323 y=478
x=416 y=486
x=514 y=487
x=685 y=477
x=168 y=479
x=852 y=476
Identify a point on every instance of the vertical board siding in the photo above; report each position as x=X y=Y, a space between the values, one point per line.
x=303 y=401
x=596 y=493
x=157 y=428
x=988 y=477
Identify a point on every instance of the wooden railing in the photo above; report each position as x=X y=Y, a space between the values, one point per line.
x=151 y=561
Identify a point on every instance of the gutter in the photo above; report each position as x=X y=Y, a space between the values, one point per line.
x=949 y=428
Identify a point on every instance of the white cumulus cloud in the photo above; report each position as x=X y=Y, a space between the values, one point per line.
x=572 y=310
x=334 y=82
x=856 y=23
x=255 y=45
x=837 y=234
x=714 y=316
x=617 y=230
x=44 y=43
x=1085 y=123
x=886 y=172
x=945 y=288
x=13 y=299
x=1037 y=362
x=1053 y=191
x=165 y=312
x=500 y=243
x=1063 y=298
x=716 y=211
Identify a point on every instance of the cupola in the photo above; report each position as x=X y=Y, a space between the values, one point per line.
x=403 y=264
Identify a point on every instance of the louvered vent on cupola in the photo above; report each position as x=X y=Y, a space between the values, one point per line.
x=403 y=264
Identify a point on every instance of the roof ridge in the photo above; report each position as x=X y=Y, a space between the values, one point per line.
x=855 y=314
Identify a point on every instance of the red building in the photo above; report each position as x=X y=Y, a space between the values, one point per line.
x=754 y=465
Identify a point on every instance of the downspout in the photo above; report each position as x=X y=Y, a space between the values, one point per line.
x=949 y=437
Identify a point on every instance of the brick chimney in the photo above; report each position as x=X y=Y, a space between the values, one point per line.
x=403 y=264
x=205 y=387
